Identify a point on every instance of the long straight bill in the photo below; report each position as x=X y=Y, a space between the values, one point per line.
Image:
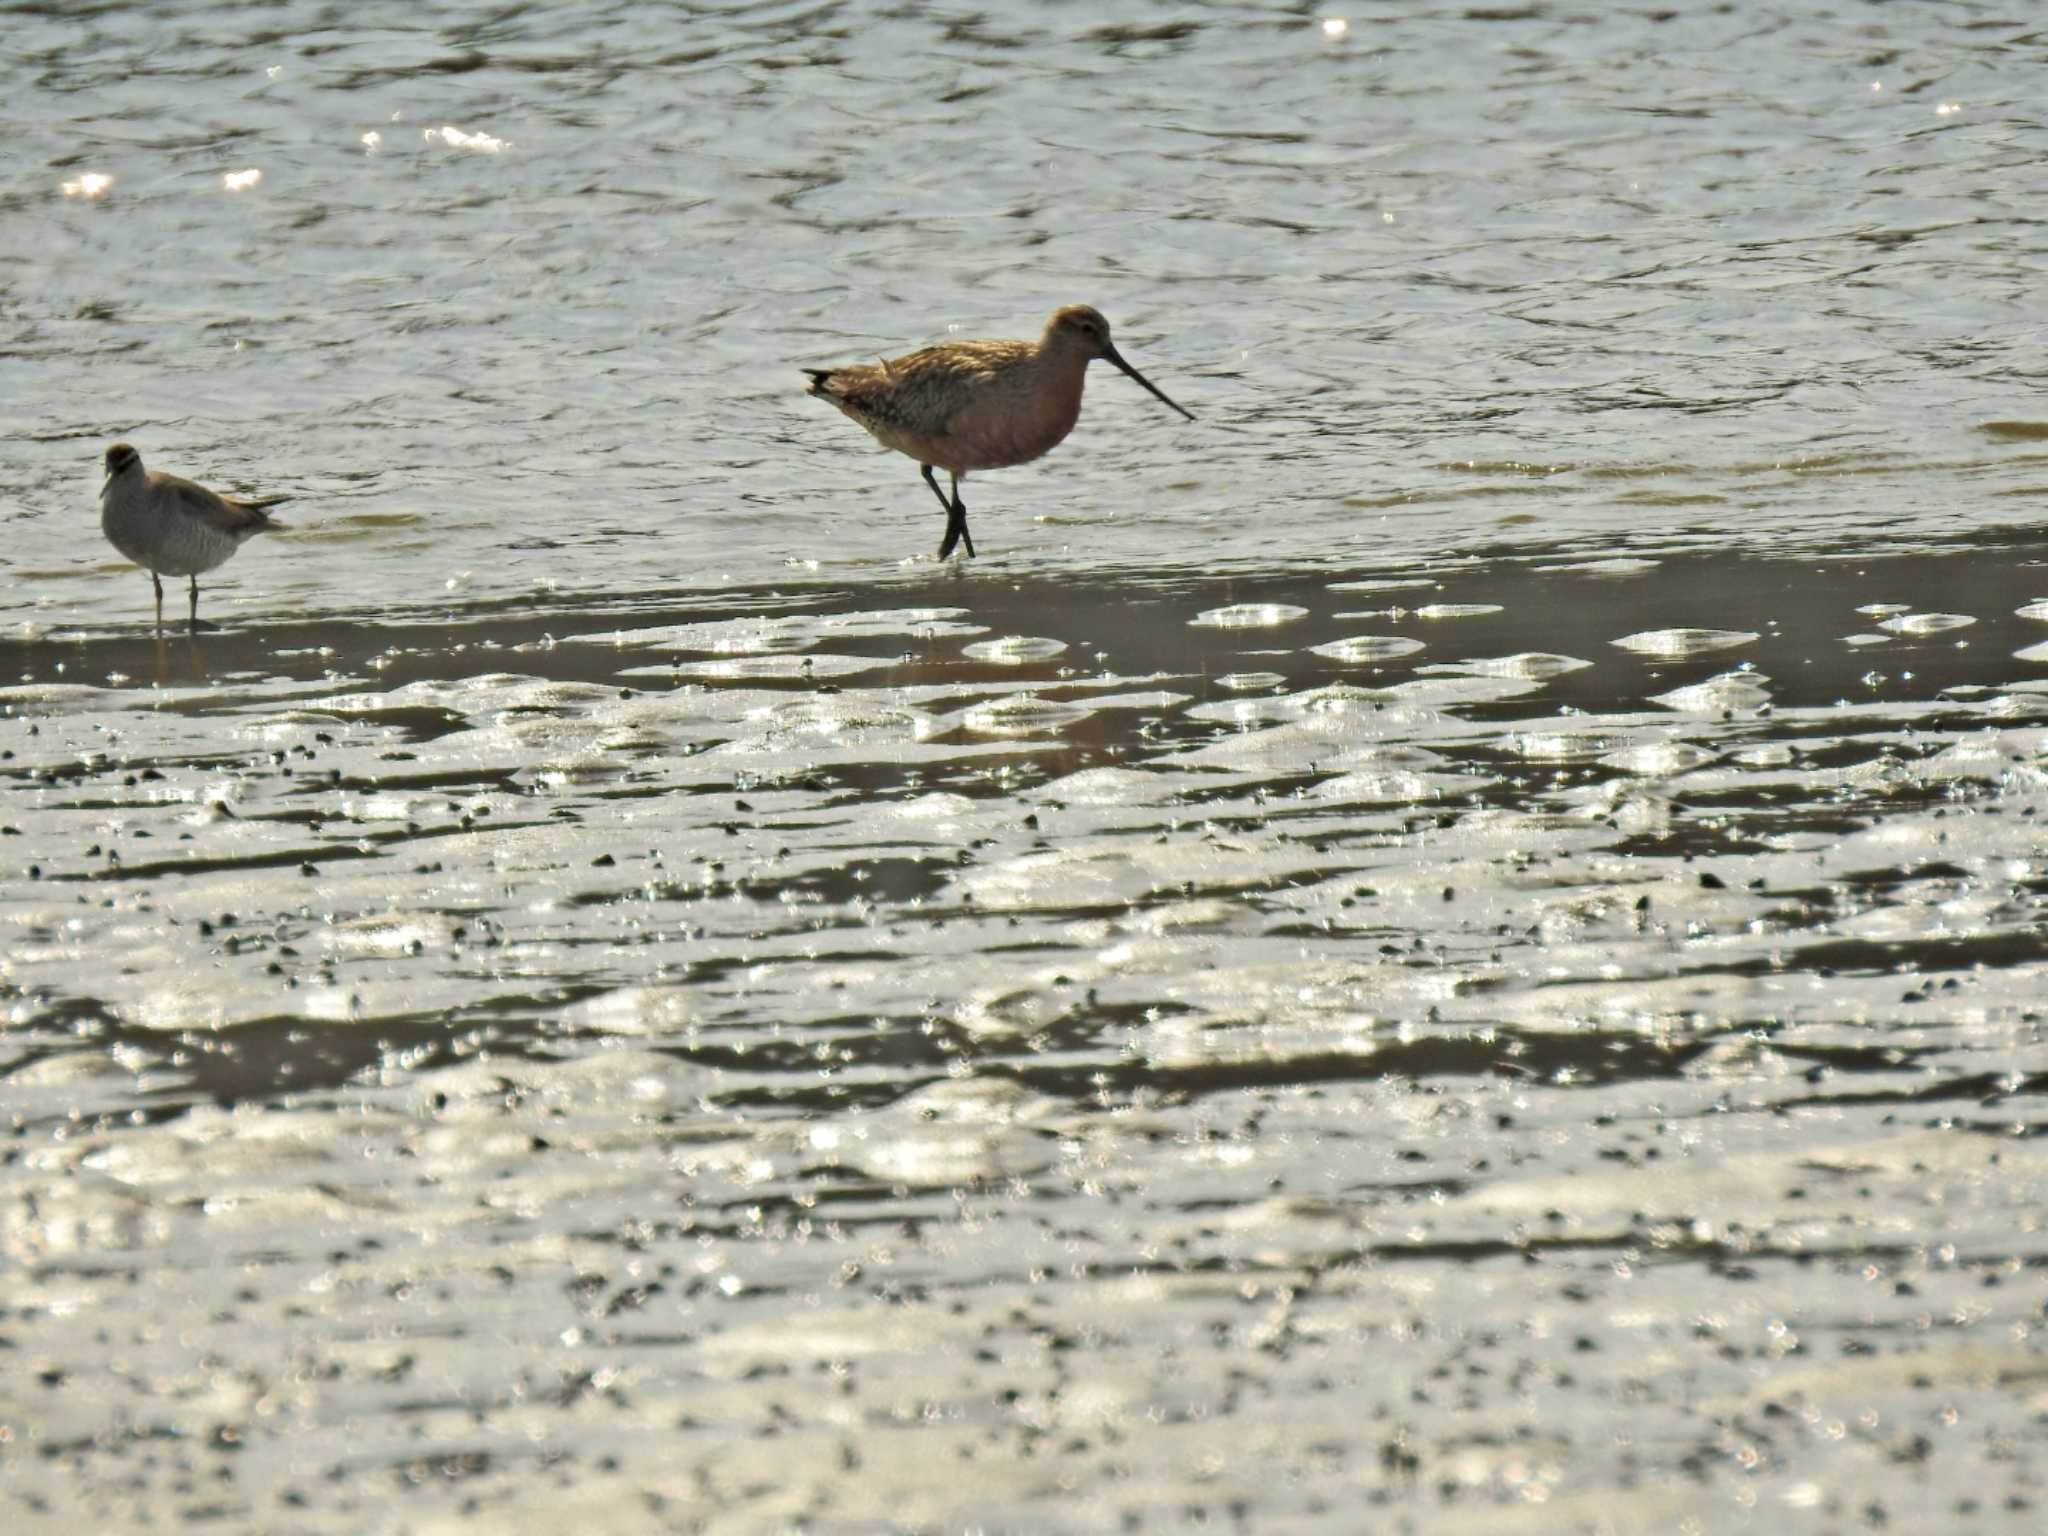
x=1112 y=354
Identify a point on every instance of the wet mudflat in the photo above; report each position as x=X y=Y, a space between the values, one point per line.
x=1524 y=1044
x=1456 y=946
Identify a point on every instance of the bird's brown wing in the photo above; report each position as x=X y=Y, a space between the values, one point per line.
x=222 y=512
x=920 y=391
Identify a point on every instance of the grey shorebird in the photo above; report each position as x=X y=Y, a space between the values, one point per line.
x=171 y=527
x=967 y=405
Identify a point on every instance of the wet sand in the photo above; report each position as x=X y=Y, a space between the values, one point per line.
x=1546 y=1045
x=1457 y=946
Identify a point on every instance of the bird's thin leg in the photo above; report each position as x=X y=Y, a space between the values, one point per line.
x=932 y=480
x=195 y=605
x=956 y=513
x=956 y=523
x=157 y=582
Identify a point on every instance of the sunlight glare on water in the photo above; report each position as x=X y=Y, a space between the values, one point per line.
x=1462 y=932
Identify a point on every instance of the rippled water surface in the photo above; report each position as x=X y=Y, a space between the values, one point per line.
x=1458 y=945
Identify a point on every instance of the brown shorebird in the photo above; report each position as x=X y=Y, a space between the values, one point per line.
x=967 y=405
x=171 y=527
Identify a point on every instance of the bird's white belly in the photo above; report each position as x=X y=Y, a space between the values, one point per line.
x=169 y=545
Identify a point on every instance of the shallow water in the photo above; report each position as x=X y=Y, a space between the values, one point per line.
x=1463 y=939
